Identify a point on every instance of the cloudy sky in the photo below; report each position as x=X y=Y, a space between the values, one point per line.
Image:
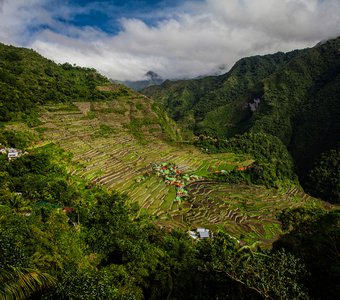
x=124 y=39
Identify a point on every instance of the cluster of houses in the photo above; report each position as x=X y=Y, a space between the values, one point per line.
x=11 y=152
x=172 y=175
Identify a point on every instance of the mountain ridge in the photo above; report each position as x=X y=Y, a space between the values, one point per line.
x=101 y=203
x=297 y=96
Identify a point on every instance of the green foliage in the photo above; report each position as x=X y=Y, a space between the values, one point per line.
x=135 y=128
x=19 y=283
x=298 y=94
x=37 y=178
x=17 y=139
x=28 y=80
x=139 y=126
x=12 y=240
x=315 y=239
x=290 y=218
x=215 y=105
x=264 y=274
x=273 y=164
x=93 y=284
x=109 y=210
x=168 y=126
x=324 y=179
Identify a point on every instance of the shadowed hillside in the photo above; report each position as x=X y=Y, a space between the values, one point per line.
x=217 y=105
x=293 y=96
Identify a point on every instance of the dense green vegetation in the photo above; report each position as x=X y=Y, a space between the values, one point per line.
x=298 y=94
x=273 y=165
x=64 y=237
x=17 y=139
x=88 y=244
x=28 y=80
x=323 y=180
x=215 y=105
x=315 y=239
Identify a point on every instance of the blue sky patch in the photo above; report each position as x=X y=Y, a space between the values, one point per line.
x=181 y=39
x=106 y=15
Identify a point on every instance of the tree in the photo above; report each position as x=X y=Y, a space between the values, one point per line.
x=21 y=283
x=270 y=274
x=18 y=203
x=315 y=240
x=324 y=178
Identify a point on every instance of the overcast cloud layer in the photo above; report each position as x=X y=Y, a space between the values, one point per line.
x=190 y=39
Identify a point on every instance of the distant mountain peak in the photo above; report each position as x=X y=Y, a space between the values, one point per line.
x=151 y=75
x=151 y=78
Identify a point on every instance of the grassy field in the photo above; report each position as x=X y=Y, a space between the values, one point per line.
x=107 y=151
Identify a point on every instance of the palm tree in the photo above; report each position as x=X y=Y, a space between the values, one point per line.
x=18 y=203
x=20 y=283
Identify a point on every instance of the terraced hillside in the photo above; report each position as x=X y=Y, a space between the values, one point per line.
x=112 y=150
x=116 y=143
x=246 y=211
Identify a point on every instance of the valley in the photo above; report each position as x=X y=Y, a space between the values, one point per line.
x=100 y=186
x=106 y=152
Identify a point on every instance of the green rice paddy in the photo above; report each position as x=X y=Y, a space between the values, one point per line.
x=118 y=160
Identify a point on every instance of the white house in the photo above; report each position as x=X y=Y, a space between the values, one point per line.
x=12 y=153
x=200 y=233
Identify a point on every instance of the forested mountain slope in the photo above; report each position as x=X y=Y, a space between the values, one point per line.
x=99 y=202
x=293 y=96
x=215 y=105
x=300 y=103
x=28 y=80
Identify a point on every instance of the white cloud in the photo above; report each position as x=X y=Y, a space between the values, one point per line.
x=17 y=16
x=191 y=40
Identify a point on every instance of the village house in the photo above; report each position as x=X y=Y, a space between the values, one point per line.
x=200 y=233
x=13 y=153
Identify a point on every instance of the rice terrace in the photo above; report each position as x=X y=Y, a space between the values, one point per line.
x=101 y=136
x=220 y=186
